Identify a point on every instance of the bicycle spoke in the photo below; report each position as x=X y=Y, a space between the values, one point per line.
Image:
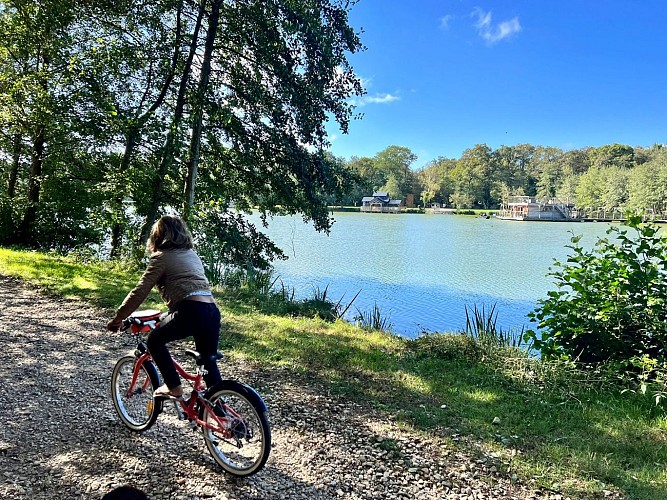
x=242 y=445
x=133 y=397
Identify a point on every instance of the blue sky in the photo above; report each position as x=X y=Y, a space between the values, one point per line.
x=444 y=75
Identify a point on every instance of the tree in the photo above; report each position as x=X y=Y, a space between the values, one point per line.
x=129 y=57
x=549 y=180
x=511 y=166
x=368 y=179
x=573 y=164
x=132 y=109
x=436 y=181
x=473 y=175
x=393 y=187
x=590 y=189
x=33 y=45
x=278 y=68
x=545 y=171
x=615 y=194
x=394 y=162
x=612 y=155
x=603 y=187
x=647 y=185
x=567 y=192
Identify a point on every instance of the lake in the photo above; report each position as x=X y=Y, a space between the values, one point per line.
x=422 y=270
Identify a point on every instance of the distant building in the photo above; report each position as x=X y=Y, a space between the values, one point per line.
x=527 y=208
x=380 y=203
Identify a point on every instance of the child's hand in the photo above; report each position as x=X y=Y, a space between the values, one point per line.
x=114 y=325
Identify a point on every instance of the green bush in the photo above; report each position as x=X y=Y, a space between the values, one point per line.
x=610 y=302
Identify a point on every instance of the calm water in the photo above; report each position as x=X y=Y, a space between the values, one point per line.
x=422 y=270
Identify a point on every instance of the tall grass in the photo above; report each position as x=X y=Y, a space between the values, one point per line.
x=266 y=292
x=481 y=325
x=373 y=320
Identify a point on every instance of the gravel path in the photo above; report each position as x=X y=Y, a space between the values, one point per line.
x=60 y=437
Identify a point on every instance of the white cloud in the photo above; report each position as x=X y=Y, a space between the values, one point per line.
x=494 y=33
x=444 y=21
x=374 y=99
x=366 y=82
x=381 y=99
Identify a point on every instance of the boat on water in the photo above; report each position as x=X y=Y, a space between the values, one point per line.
x=532 y=209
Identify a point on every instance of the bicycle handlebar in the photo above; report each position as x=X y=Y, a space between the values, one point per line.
x=128 y=322
x=142 y=321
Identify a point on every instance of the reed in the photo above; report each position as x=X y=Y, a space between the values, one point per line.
x=481 y=325
x=373 y=320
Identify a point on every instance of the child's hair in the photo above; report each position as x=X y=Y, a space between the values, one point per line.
x=169 y=232
x=125 y=493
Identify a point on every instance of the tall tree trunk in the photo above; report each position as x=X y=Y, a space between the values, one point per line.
x=117 y=228
x=26 y=231
x=198 y=118
x=171 y=141
x=16 y=164
x=27 y=228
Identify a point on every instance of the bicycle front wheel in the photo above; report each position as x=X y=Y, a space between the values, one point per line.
x=242 y=444
x=134 y=401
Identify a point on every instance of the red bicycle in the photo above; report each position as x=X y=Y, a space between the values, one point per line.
x=232 y=415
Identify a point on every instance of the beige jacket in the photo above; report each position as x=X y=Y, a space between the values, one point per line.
x=175 y=273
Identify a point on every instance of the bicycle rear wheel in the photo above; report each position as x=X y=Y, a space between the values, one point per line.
x=134 y=403
x=243 y=445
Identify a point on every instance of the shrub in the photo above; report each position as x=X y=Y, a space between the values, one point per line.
x=610 y=302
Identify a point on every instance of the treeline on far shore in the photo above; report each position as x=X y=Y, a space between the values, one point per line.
x=612 y=177
x=420 y=210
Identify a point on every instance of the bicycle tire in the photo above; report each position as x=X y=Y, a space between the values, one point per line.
x=246 y=451
x=139 y=410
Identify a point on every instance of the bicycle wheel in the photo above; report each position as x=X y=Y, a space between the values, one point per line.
x=134 y=403
x=242 y=446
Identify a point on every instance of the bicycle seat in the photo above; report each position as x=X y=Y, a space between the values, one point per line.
x=146 y=314
x=202 y=360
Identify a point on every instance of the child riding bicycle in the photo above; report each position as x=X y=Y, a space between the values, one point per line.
x=177 y=272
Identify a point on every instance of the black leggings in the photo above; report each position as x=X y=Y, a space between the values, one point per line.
x=191 y=318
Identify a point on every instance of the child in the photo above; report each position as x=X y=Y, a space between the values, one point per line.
x=178 y=273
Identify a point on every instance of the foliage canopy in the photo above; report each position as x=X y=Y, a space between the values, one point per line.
x=113 y=113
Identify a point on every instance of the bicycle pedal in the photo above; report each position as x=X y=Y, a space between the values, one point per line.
x=179 y=411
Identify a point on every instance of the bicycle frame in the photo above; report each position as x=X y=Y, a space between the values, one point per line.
x=189 y=407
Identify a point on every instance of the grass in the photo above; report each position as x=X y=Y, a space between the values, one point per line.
x=96 y=283
x=558 y=428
